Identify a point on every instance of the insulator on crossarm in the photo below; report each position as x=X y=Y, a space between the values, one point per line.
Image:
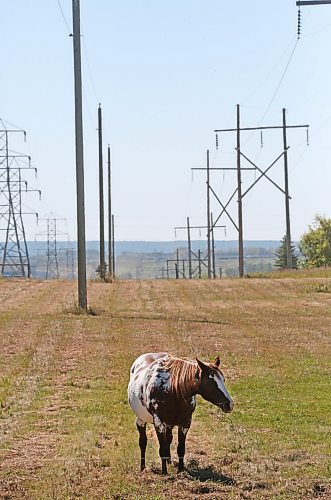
x=216 y=141
x=307 y=132
x=299 y=24
x=261 y=138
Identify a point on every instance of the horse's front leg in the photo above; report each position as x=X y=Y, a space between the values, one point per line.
x=182 y=431
x=141 y=426
x=169 y=441
x=164 y=436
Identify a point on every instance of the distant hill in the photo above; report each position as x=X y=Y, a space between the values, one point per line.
x=156 y=246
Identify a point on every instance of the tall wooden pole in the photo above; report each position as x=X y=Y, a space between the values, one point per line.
x=110 y=268
x=81 y=243
x=287 y=198
x=113 y=241
x=199 y=259
x=213 y=245
x=102 y=262
x=240 y=213
x=177 y=265
x=189 y=249
x=208 y=216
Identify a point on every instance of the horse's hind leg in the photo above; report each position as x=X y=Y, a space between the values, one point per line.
x=182 y=431
x=164 y=435
x=141 y=426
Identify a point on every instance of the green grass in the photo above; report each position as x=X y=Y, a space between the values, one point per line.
x=68 y=431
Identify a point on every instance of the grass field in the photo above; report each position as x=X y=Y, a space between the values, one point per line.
x=66 y=430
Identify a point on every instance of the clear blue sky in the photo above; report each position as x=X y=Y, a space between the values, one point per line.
x=167 y=73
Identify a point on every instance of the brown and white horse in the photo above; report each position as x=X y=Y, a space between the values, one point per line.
x=162 y=391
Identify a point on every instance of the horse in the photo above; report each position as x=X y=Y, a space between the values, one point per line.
x=162 y=391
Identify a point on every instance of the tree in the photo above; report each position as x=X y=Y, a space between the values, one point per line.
x=281 y=256
x=315 y=244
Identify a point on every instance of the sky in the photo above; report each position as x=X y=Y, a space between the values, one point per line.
x=167 y=74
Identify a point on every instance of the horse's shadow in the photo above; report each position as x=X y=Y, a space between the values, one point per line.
x=208 y=473
x=202 y=474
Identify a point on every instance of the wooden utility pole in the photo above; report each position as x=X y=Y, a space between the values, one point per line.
x=287 y=198
x=199 y=263
x=189 y=249
x=191 y=253
x=240 y=209
x=81 y=243
x=213 y=244
x=113 y=241
x=110 y=269
x=208 y=216
x=263 y=173
x=102 y=262
x=177 y=258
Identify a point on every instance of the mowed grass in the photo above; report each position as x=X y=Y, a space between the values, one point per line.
x=66 y=430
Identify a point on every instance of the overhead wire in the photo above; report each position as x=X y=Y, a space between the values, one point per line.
x=280 y=82
x=273 y=97
x=89 y=69
x=89 y=112
x=64 y=17
x=10 y=124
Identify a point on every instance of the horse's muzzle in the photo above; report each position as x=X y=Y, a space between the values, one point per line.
x=227 y=407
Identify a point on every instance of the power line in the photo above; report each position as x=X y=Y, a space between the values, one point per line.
x=64 y=17
x=89 y=69
x=276 y=90
x=280 y=82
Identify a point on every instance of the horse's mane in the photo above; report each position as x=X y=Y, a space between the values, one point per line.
x=182 y=376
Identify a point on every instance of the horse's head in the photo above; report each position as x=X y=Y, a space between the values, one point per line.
x=211 y=385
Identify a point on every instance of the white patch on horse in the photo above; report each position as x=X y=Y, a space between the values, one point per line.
x=162 y=379
x=136 y=403
x=220 y=384
x=160 y=426
x=136 y=389
x=154 y=404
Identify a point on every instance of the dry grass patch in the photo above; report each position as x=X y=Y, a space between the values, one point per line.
x=67 y=430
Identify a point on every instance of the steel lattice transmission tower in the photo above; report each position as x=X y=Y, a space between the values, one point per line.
x=14 y=253
x=52 y=271
x=52 y=253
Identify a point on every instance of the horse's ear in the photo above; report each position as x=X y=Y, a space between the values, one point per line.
x=202 y=365
x=217 y=361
